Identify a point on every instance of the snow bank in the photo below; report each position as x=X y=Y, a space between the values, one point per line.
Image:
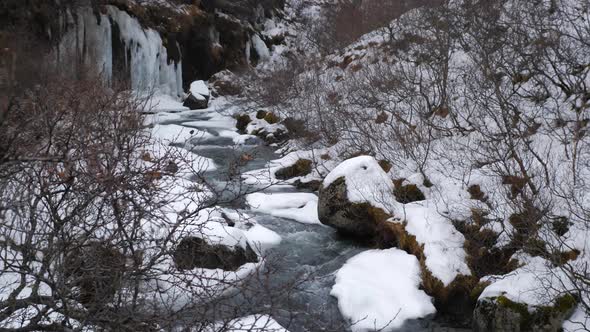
x=301 y=207
x=380 y=289
x=443 y=244
x=536 y=283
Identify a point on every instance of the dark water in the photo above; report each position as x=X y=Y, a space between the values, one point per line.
x=301 y=269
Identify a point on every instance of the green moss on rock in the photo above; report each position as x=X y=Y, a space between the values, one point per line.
x=261 y=114
x=243 y=121
x=271 y=118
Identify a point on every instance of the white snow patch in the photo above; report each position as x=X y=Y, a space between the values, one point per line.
x=380 y=289
x=301 y=207
x=199 y=90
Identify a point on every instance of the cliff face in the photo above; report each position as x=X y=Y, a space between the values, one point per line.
x=149 y=44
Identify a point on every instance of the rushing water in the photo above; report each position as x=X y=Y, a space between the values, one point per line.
x=306 y=259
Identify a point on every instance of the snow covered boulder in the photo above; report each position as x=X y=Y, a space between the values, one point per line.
x=193 y=252
x=355 y=197
x=198 y=97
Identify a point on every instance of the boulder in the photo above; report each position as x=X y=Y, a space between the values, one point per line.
x=193 y=252
x=502 y=314
x=349 y=198
x=198 y=97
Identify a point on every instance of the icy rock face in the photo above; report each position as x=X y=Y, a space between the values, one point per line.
x=118 y=47
x=198 y=96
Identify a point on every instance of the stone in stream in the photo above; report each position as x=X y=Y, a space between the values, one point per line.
x=193 y=252
x=198 y=97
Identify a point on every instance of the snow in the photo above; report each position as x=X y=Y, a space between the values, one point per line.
x=162 y=102
x=536 y=283
x=578 y=322
x=172 y=133
x=365 y=181
x=261 y=238
x=443 y=244
x=380 y=289
x=199 y=90
x=301 y=207
x=252 y=323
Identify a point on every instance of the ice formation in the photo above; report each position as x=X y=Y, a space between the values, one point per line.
x=91 y=43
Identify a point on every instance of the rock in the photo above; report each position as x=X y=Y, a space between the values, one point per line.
x=351 y=195
x=198 y=97
x=194 y=252
x=357 y=219
x=242 y=122
x=502 y=314
x=301 y=168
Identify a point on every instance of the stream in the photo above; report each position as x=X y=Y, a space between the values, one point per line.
x=308 y=254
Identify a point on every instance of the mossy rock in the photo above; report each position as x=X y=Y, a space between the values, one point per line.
x=502 y=314
x=301 y=168
x=242 y=122
x=408 y=193
x=358 y=220
x=271 y=118
x=193 y=252
x=261 y=114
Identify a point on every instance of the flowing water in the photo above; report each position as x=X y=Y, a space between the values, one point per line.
x=308 y=256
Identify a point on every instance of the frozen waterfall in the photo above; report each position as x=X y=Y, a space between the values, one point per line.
x=144 y=57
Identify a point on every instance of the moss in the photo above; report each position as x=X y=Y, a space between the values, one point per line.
x=408 y=193
x=243 y=121
x=301 y=168
x=271 y=118
x=261 y=114
x=385 y=165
